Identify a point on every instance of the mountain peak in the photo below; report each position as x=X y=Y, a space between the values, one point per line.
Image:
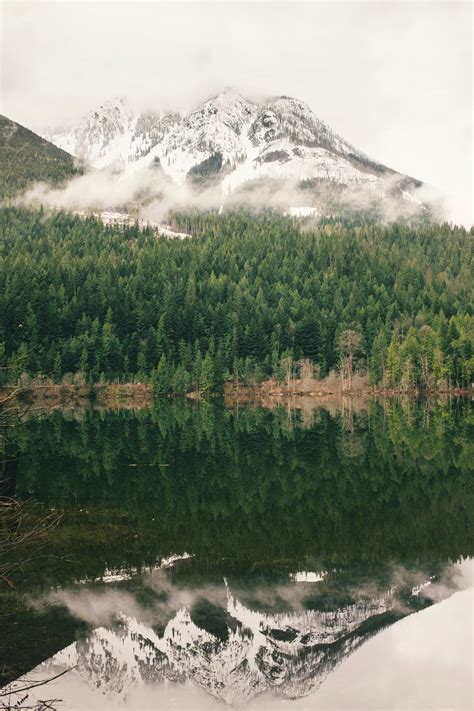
x=112 y=109
x=228 y=91
x=114 y=102
x=231 y=140
x=227 y=100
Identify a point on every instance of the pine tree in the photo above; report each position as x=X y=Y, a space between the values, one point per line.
x=207 y=375
x=394 y=361
x=181 y=381
x=378 y=359
x=57 y=370
x=160 y=377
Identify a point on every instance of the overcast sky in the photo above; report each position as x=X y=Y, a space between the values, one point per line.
x=394 y=78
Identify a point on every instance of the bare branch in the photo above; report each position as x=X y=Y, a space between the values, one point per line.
x=35 y=684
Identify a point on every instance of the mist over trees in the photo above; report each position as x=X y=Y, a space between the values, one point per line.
x=246 y=298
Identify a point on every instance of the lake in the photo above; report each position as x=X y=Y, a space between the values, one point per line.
x=291 y=558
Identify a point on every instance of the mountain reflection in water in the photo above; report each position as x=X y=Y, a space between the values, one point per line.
x=236 y=641
x=240 y=555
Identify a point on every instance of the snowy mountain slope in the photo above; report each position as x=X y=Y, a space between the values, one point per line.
x=113 y=135
x=229 y=141
x=216 y=127
x=282 y=160
x=285 y=117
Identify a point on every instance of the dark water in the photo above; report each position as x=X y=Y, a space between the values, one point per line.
x=248 y=557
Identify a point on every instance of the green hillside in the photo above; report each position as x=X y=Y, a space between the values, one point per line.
x=247 y=297
x=26 y=158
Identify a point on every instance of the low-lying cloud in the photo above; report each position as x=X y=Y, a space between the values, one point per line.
x=99 y=606
x=150 y=194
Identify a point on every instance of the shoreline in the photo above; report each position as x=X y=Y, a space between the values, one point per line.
x=110 y=395
x=267 y=394
x=270 y=397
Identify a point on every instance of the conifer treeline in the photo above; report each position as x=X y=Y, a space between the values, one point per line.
x=247 y=297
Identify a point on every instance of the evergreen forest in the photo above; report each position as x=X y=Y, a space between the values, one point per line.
x=246 y=297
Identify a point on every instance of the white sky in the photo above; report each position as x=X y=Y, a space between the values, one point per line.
x=394 y=78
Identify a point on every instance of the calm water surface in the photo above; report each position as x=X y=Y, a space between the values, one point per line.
x=210 y=557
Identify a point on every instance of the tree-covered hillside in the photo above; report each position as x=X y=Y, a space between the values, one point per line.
x=245 y=297
x=26 y=158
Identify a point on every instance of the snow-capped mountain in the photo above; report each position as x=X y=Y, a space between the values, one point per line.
x=227 y=140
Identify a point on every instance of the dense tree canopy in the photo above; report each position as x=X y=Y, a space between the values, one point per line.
x=240 y=296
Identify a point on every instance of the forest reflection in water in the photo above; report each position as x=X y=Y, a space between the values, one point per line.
x=241 y=553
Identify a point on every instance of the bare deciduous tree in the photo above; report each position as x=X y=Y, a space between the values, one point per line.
x=350 y=345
